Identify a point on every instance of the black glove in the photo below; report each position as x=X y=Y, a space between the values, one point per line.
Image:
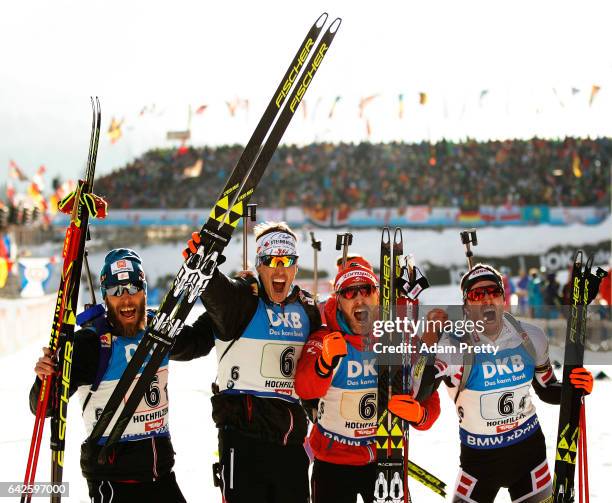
x=411 y=281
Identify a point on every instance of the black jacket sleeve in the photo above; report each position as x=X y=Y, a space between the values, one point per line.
x=194 y=341
x=84 y=366
x=551 y=393
x=230 y=303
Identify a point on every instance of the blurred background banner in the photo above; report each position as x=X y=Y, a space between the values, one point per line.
x=34 y=274
x=409 y=216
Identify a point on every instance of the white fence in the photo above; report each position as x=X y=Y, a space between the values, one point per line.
x=25 y=320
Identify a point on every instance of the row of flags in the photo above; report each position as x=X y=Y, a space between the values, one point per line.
x=34 y=189
x=239 y=106
x=34 y=193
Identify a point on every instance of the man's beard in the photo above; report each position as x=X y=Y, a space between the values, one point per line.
x=128 y=330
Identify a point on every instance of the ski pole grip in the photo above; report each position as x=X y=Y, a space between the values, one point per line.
x=469 y=238
x=343 y=241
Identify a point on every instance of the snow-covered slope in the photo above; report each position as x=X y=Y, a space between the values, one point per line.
x=195 y=440
x=193 y=431
x=438 y=247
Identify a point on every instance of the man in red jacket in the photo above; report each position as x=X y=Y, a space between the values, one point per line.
x=338 y=368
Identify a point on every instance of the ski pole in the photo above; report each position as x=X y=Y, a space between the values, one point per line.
x=583 y=461
x=316 y=247
x=468 y=238
x=251 y=212
x=343 y=241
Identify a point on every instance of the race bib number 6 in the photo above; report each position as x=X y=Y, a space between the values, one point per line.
x=504 y=403
x=358 y=406
x=279 y=361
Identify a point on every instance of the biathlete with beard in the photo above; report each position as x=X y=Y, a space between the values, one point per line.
x=502 y=444
x=338 y=368
x=139 y=467
x=260 y=328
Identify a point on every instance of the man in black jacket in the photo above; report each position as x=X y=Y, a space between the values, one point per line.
x=139 y=467
x=260 y=329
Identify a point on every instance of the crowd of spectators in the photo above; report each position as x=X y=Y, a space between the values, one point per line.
x=540 y=295
x=569 y=172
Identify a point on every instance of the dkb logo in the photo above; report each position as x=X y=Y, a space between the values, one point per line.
x=288 y=320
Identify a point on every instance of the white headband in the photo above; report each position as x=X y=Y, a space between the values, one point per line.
x=352 y=276
x=276 y=243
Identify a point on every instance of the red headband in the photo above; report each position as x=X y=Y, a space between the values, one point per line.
x=354 y=274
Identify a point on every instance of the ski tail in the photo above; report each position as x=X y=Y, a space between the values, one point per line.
x=62 y=327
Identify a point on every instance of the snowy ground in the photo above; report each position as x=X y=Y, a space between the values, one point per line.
x=193 y=432
x=194 y=435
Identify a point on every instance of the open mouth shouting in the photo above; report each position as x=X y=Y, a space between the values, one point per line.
x=361 y=314
x=127 y=314
x=489 y=314
x=278 y=285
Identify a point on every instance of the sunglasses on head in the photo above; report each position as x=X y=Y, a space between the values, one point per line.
x=117 y=291
x=278 y=260
x=352 y=291
x=477 y=294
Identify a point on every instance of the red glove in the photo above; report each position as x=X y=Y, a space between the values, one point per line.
x=192 y=245
x=334 y=347
x=582 y=379
x=407 y=408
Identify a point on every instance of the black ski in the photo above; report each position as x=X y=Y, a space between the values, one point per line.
x=194 y=275
x=390 y=485
x=585 y=285
x=429 y=480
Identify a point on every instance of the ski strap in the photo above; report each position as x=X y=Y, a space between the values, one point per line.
x=468 y=362
x=95 y=205
x=527 y=344
x=101 y=327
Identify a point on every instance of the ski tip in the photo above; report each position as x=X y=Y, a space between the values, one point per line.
x=397 y=236
x=386 y=235
x=589 y=263
x=578 y=257
x=333 y=28
x=322 y=20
